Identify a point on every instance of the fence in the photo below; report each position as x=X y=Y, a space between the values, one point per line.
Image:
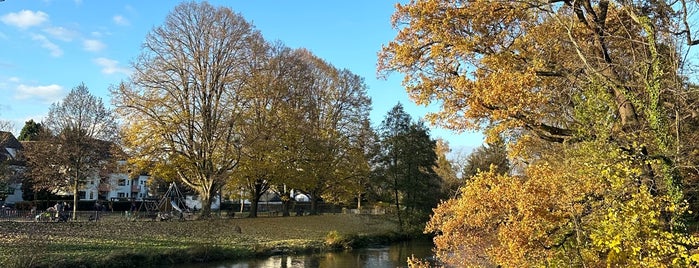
x=50 y=216
x=264 y=210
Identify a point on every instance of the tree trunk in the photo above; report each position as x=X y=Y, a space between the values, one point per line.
x=395 y=192
x=359 y=200
x=286 y=204
x=314 y=205
x=253 y=206
x=205 y=205
x=75 y=201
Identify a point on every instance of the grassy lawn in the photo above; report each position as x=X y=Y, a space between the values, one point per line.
x=120 y=243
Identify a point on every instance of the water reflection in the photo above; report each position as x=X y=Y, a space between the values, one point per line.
x=395 y=255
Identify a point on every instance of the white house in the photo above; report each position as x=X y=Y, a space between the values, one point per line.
x=115 y=186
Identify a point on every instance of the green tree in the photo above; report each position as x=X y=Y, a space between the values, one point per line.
x=484 y=156
x=184 y=104
x=407 y=163
x=30 y=131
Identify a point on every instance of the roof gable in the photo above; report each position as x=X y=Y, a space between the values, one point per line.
x=9 y=146
x=7 y=140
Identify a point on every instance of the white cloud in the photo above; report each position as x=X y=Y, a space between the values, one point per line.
x=120 y=20
x=49 y=94
x=25 y=18
x=61 y=33
x=110 y=66
x=93 y=45
x=13 y=79
x=47 y=44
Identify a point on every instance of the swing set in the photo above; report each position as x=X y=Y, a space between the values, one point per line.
x=171 y=205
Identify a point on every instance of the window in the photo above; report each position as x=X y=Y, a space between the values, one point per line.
x=122 y=182
x=92 y=196
x=121 y=195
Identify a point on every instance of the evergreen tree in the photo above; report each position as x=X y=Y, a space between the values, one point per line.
x=30 y=131
x=406 y=165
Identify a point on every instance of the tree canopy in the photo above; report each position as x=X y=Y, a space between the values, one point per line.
x=407 y=162
x=212 y=103
x=77 y=147
x=183 y=105
x=31 y=131
x=594 y=100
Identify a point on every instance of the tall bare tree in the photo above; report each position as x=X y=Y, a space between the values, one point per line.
x=78 y=146
x=183 y=105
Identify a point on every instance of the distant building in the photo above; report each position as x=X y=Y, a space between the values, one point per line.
x=9 y=147
x=11 y=167
x=114 y=186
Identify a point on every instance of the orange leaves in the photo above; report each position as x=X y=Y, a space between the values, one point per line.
x=537 y=217
x=479 y=59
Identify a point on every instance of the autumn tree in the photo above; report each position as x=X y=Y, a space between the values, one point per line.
x=183 y=105
x=367 y=146
x=594 y=99
x=333 y=109
x=271 y=129
x=77 y=147
x=33 y=136
x=447 y=170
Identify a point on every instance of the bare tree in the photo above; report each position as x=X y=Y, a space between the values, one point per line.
x=183 y=105
x=6 y=125
x=77 y=147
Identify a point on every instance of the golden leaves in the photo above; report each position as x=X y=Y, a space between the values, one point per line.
x=576 y=202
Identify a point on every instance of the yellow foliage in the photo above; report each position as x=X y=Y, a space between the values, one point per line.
x=577 y=205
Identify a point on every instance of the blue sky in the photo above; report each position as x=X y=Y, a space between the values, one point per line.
x=50 y=46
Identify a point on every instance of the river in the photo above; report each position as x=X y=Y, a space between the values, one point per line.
x=394 y=255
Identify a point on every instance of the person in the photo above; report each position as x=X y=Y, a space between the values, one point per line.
x=66 y=210
x=98 y=208
x=59 y=209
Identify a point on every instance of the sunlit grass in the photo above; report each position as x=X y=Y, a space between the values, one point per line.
x=27 y=244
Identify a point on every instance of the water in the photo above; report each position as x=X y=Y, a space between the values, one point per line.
x=395 y=255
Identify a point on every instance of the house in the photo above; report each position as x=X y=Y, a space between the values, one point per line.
x=117 y=185
x=11 y=167
x=9 y=146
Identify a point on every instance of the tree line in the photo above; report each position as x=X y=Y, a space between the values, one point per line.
x=213 y=105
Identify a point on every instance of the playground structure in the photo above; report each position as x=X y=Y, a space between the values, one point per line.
x=171 y=205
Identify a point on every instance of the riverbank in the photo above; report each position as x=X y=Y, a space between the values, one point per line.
x=146 y=243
